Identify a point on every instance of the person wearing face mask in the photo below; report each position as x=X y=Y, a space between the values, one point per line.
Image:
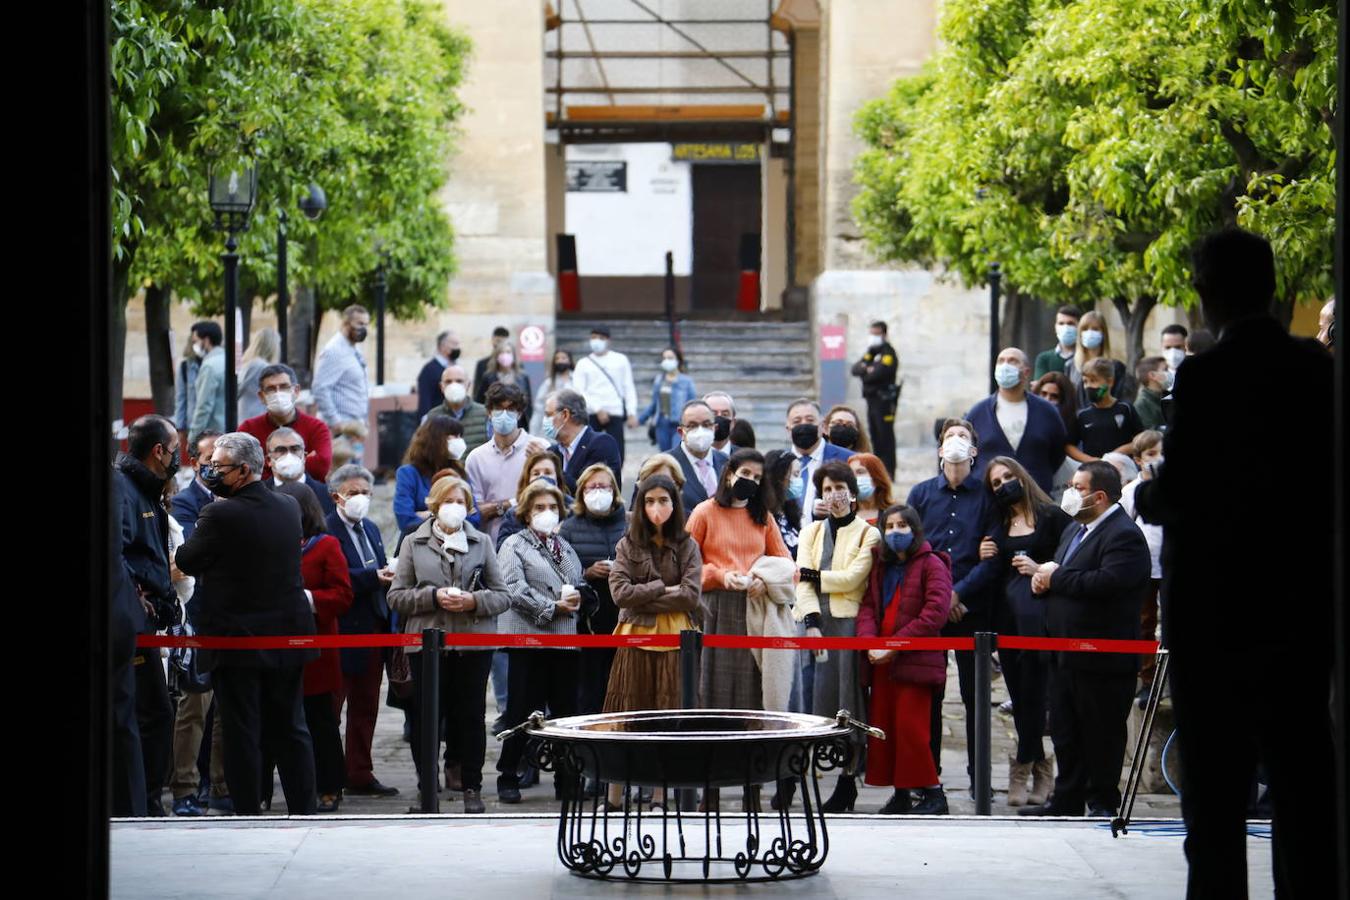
x=185 y=388
x=208 y=409
x=429 y=394
x=908 y=594
x=433 y=447
x=286 y=453
x=470 y=414
x=544 y=579
x=187 y=503
x=874 y=485
x=1174 y=345
x=448 y=577
x=957 y=511
x=877 y=371
x=1093 y=588
x=150 y=460
x=811 y=449
x=362 y=667
x=485 y=364
x=577 y=444
x=605 y=378
x=834 y=558
x=506 y=369
x=593 y=530
x=1094 y=342
x=1106 y=423
x=539 y=464
x=671 y=390
x=494 y=468
x=1014 y=422
x=724 y=419
x=1148 y=456
x=1155 y=380
x=782 y=496
x=701 y=464
x=263 y=351
x=278 y=389
x=559 y=379
x=243 y=592
x=1025 y=535
x=341 y=385
x=1059 y=358
x=844 y=429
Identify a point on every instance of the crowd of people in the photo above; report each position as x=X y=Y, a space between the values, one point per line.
x=1039 y=519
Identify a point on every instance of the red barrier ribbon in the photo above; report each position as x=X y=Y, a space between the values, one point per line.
x=1076 y=645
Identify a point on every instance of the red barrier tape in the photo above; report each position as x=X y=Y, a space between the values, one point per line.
x=723 y=641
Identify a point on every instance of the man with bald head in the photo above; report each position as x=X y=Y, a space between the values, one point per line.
x=459 y=404
x=1013 y=422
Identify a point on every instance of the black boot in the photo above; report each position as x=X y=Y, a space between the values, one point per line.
x=932 y=803
x=845 y=793
x=787 y=789
x=899 y=803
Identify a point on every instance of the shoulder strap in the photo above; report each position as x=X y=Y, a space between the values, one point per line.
x=612 y=383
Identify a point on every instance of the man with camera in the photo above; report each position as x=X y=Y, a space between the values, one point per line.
x=141 y=472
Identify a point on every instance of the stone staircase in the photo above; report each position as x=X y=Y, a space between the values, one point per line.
x=763 y=365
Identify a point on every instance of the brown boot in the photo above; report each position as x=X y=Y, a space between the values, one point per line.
x=1042 y=781
x=1018 y=773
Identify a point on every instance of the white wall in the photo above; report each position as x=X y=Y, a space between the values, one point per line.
x=629 y=233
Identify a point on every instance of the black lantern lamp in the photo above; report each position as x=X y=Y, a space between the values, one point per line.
x=232 y=196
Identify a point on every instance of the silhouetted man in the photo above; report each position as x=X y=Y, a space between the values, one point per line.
x=1272 y=608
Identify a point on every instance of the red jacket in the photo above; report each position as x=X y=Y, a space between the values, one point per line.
x=324 y=569
x=318 y=442
x=925 y=599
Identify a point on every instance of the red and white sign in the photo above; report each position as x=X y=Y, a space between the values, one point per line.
x=532 y=341
x=833 y=343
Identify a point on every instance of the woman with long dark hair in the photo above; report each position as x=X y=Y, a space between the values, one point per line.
x=432 y=448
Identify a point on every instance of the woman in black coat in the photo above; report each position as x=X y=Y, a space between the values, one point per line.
x=594 y=530
x=1027 y=535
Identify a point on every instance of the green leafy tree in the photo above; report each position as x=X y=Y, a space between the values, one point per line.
x=1087 y=145
x=359 y=96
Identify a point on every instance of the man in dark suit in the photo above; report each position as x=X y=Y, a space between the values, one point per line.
x=362 y=667
x=702 y=464
x=576 y=443
x=811 y=450
x=187 y=504
x=480 y=368
x=245 y=554
x=1223 y=596
x=1015 y=422
x=286 y=455
x=1093 y=589
x=429 y=379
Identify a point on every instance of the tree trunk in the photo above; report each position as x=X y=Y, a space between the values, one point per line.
x=117 y=335
x=1026 y=323
x=245 y=319
x=1134 y=316
x=299 y=333
x=158 y=349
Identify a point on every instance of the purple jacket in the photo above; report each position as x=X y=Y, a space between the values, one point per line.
x=925 y=598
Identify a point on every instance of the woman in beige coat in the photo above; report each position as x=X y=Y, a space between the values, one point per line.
x=447 y=577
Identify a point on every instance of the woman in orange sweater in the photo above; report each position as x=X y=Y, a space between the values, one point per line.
x=733 y=529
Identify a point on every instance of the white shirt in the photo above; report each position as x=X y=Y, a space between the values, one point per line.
x=808 y=470
x=589 y=380
x=1012 y=418
x=1153 y=534
x=571 y=446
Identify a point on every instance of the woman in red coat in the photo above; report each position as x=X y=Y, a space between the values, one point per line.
x=323 y=566
x=908 y=595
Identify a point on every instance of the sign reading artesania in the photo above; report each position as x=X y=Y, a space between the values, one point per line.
x=726 y=152
x=597 y=176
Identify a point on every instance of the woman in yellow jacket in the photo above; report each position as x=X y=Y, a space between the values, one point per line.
x=834 y=559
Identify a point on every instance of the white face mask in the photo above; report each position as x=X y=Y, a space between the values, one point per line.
x=875 y=340
x=455 y=446
x=452 y=515
x=1174 y=356
x=699 y=439
x=198 y=350
x=670 y=365
x=455 y=392
x=598 y=345
x=1072 y=502
x=289 y=467
x=600 y=500
x=956 y=450
x=544 y=522
x=281 y=402
x=357 y=506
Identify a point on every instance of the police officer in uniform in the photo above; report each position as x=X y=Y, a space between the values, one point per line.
x=877 y=369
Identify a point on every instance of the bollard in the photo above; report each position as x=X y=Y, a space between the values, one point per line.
x=433 y=639
x=985 y=642
x=690 y=643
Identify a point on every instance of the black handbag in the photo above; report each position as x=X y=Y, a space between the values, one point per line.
x=184 y=675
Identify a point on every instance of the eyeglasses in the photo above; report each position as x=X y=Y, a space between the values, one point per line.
x=277 y=389
x=297 y=449
x=211 y=468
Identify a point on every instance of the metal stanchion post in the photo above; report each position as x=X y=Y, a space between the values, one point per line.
x=433 y=639
x=690 y=643
x=985 y=641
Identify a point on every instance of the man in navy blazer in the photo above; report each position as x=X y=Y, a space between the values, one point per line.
x=187 y=504
x=1013 y=422
x=286 y=453
x=362 y=668
x=695 y=453
x=1093 y=589
x=578 y=445
x=811 y=449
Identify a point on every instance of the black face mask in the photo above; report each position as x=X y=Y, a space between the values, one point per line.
x=171 y=467
x=805 y=436
x=562 y=368
x=721 y=429
x=454 y=355
x=845 y=436
x=744 y=488
x=358 y=335
x=214 y=479
x=1009 y=492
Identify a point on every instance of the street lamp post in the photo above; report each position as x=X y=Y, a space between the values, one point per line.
x=995 y=283
x=232 y=197
x=381 y=290
x=312 y=205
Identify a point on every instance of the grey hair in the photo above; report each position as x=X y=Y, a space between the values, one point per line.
x=730 y=402
x=284 y=432
x=341 y=475
x=242 y=449
x=573 y=402
x=1124 y=465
